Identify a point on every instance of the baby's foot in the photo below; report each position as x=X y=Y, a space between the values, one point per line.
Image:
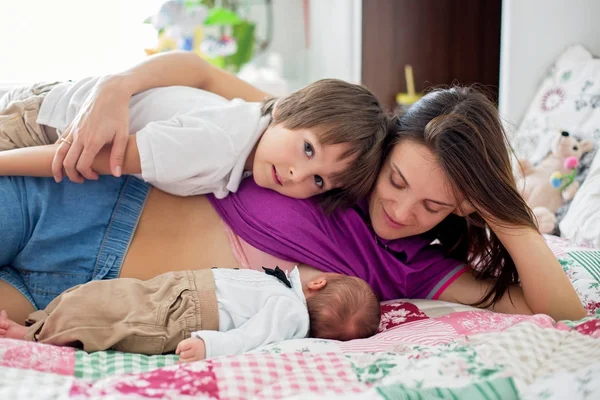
x=10 y=329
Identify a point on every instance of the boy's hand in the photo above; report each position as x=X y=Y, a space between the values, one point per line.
x=103 y=119
x=191 y=349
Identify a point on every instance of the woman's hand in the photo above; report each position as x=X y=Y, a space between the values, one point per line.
x=191 y=349
x=103 y=119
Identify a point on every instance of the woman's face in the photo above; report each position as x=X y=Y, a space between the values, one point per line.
x=412 y=193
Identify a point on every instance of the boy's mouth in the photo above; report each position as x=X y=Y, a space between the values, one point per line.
x=276 y=176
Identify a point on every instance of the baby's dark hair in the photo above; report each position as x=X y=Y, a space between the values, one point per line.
x=340 y=112
x=345 y=309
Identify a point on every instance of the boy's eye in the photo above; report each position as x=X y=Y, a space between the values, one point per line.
x=308 y=149
x=319 y=181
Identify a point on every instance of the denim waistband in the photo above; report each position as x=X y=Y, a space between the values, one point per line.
x=121 y=228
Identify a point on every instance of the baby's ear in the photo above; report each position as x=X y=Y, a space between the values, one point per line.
x=274 y=111
x=318 y=283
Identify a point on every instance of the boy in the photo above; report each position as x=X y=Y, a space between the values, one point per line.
x=326 y=138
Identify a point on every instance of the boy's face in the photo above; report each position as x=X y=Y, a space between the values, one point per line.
x=295 y=164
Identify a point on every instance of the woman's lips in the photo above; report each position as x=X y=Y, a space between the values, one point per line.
x=390 y=221
x=275 y=176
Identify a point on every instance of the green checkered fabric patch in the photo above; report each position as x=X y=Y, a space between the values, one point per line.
x=104 y=363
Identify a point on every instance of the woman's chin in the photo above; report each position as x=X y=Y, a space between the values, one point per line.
x=387 y=233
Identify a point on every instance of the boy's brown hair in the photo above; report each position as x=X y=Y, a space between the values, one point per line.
x=340 y=112
x=345 y=309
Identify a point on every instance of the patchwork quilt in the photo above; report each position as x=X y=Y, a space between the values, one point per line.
x=424 y=350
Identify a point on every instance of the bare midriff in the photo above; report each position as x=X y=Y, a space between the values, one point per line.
x=174 y=234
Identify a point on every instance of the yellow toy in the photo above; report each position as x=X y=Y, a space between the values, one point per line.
x=406 y=99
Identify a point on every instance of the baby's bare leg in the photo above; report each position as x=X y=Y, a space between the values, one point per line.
x=10 y=329
x=16 y=305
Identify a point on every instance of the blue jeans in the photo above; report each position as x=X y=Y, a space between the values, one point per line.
x=54 y=236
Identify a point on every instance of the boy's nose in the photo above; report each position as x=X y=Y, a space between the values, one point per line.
x=297 y=175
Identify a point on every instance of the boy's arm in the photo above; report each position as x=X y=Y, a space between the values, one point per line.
x=281 y=318
x=104 y=117
x=37 y=161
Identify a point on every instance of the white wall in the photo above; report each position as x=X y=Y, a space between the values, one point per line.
x=534 y=34
x=288 y=35
x=335 y=40
x=334 y=45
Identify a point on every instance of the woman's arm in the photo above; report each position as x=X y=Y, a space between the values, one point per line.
x=104 y=117
x=37 y=160
x=544 y=289
x=179 y=68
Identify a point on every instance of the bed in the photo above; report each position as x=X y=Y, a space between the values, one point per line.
x=424 y=350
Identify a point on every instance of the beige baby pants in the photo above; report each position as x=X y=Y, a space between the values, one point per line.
x=149 y=317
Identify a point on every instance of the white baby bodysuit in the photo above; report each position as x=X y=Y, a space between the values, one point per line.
x=255 y=309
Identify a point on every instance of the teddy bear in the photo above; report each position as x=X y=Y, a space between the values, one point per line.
x=552 y=181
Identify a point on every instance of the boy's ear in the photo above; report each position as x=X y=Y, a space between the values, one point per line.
x=318 y=283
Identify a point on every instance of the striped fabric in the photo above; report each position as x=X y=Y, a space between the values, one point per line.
x=497 y=389
x=423 y=332
x=590 y=260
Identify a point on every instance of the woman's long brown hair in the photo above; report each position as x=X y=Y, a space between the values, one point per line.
x=461 y=126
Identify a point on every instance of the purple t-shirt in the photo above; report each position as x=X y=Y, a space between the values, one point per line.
x=299 y=231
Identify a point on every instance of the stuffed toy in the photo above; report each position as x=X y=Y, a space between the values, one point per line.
x=551 y=182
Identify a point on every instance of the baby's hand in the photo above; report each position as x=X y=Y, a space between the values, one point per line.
x=191 y=349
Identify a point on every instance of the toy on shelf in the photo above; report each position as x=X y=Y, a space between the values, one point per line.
x=408 y=98
x=218 y=34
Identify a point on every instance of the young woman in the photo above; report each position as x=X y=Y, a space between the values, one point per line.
x=446 y=176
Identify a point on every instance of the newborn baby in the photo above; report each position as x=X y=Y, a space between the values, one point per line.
x=203 y=313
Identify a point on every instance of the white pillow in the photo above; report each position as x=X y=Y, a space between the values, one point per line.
x=581 y=224
x=567 y=100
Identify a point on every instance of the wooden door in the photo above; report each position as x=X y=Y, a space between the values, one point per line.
x=445 y=41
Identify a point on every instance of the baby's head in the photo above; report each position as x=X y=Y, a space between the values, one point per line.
x=341 y=307
x=324 y=140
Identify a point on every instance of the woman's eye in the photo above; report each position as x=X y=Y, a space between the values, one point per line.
x=319 y=181
x=394 y=183
x=430 y=211
x=308 y=149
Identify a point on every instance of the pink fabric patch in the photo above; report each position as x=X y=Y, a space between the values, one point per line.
x=195 y=380
x=37 y=357
x=272 y=376
x=590 y=328
x=397 y=312
x=473 y=322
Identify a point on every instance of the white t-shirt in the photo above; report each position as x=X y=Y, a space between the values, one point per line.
x=190 y=141
x=255 y=309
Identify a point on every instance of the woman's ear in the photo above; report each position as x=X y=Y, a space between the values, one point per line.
x=318 y=283
x=465 y=208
